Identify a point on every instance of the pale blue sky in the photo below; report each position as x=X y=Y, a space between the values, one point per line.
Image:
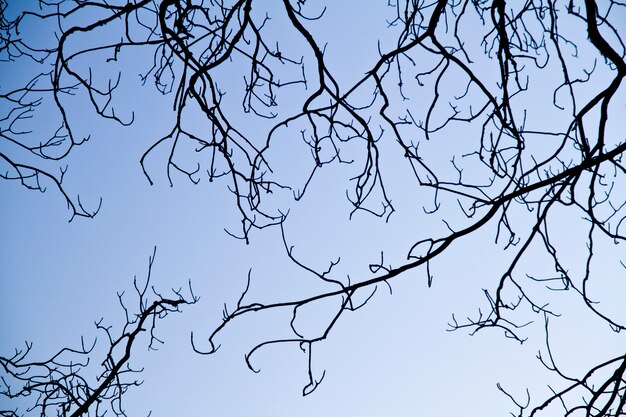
x=394 y=357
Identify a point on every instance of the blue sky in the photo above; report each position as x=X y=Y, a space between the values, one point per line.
x=393 y=357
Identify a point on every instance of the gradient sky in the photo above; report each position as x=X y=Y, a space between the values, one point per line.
x=393 y=357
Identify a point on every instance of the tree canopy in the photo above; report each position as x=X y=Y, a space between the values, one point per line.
x=368 y=142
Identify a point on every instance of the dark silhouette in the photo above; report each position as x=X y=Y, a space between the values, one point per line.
x=58 y=385
x=497 y=107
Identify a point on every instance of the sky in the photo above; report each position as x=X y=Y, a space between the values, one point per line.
x=395 y=356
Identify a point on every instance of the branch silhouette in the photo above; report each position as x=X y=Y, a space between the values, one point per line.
x=505 y=115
